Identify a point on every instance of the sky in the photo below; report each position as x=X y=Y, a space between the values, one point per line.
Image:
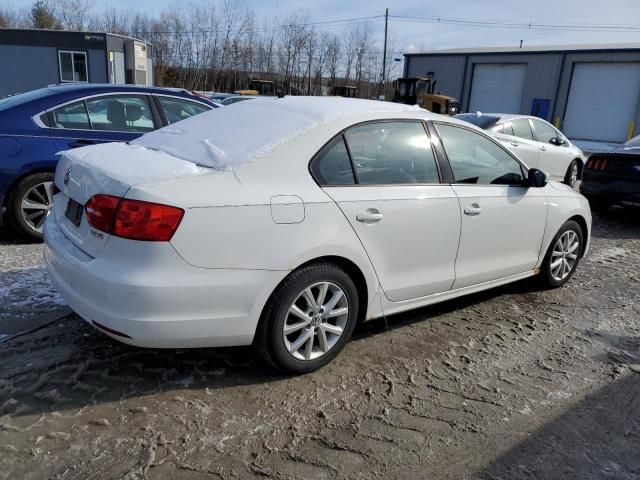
x=409 y=36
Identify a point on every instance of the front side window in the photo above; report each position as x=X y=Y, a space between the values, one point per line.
x=72 y=116
x=333 y=166
x=122 y=113
x=388 y=153
x=73 y=66
x=522 y=129
x=477 y=160
x=544 y=131
x=176 y=109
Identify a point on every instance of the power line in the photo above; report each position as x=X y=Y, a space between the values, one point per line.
x=328 y=23
x=518 y=25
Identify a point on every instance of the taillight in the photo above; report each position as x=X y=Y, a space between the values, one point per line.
x=133 y=219
x=101 y=210
x=597 y=164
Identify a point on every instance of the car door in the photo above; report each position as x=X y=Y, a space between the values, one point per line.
x=503 y=221
x=554 y=159
x=100 y=119
x=385 y=178
x=518 y=138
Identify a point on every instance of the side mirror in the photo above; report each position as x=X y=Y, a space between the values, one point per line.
x=557 y=141
x=536 y=178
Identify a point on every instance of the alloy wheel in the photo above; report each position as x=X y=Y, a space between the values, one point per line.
x=35 y=205
x=315 y=321
x=564 y=255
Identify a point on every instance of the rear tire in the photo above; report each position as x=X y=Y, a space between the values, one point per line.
x=563 y=255
x=573 y=174
x=28 y=204
x=296 y=337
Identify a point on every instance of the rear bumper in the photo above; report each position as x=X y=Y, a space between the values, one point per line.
x=614 y=190
x=148 y=293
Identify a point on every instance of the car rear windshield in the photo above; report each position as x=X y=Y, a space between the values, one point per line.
x=483 y=121
x=13 y=100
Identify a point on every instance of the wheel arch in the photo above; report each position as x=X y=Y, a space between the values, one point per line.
x=582 y=222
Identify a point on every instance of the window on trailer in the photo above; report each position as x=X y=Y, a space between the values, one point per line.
x=73 y=66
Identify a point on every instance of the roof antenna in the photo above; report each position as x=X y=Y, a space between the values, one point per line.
x=520 y=43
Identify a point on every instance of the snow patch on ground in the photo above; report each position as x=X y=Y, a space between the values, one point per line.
x=26 y=290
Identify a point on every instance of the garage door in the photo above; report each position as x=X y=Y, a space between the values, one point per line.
x=602 y=101
x=497 y=87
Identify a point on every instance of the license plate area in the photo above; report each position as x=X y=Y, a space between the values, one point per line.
x=74 y=212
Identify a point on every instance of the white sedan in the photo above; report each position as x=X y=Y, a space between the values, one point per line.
x=535 y=141
x=282 y=223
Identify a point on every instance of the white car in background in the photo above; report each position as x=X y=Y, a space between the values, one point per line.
x=535 y=141
x=329 y=211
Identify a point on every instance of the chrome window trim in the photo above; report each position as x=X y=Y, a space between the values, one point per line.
x=35 y=118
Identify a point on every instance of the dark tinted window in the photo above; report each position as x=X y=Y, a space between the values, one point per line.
x=522 y=129
x=176 y=109
x=72 y=116
x=483 y=121
x=122 y=113
x=332 y=166
x=544 y=131
x=388 y=153
x=476 y=159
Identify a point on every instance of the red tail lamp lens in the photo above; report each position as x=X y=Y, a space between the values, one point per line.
x=133 y=219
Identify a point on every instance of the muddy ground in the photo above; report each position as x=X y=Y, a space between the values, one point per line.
x=514 y=383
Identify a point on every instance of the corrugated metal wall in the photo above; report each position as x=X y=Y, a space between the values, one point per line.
x=548 y=74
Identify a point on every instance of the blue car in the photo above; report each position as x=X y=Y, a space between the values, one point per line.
x=34 y=126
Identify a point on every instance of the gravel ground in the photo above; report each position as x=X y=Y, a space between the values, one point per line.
x=514 y=383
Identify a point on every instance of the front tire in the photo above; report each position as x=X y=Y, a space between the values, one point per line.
x=573 y=174
x=563 y=256
x=308 y=319
x=29 y=203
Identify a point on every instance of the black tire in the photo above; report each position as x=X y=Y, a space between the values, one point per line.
x=14 y=206
x=547 y=276
x=269 y=338
x=569 y=179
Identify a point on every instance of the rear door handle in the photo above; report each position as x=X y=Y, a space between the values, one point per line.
x=515 y=144
x=473 y=210
x=81 y=143
x=543 y=148
x=370 y=216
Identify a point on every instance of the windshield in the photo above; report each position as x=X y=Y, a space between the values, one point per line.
x=20 y=98
x=483 y=121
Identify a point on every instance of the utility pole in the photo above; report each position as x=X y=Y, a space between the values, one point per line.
x=384 y=52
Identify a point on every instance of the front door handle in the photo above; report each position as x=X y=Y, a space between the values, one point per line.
x=372 y=215
x=515 y=144
x=543 y=148
x=473 y=210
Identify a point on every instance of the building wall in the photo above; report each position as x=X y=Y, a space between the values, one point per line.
x=31 y=67
x=548 y=74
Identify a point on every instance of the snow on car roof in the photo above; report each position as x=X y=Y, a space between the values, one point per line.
x=225 y=137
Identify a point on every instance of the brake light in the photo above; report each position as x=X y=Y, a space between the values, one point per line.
x=100 y=211
x=597 y=164
x=133 y=219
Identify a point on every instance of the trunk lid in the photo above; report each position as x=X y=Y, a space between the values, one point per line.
x=109 y=169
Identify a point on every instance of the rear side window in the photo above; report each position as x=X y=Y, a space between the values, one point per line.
x=522 y=129
x=176 y=109
x=477 y=160
x=121 y=113
x=507 y=128
x=72 y=116
x=333 y=166
x=392 y=153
